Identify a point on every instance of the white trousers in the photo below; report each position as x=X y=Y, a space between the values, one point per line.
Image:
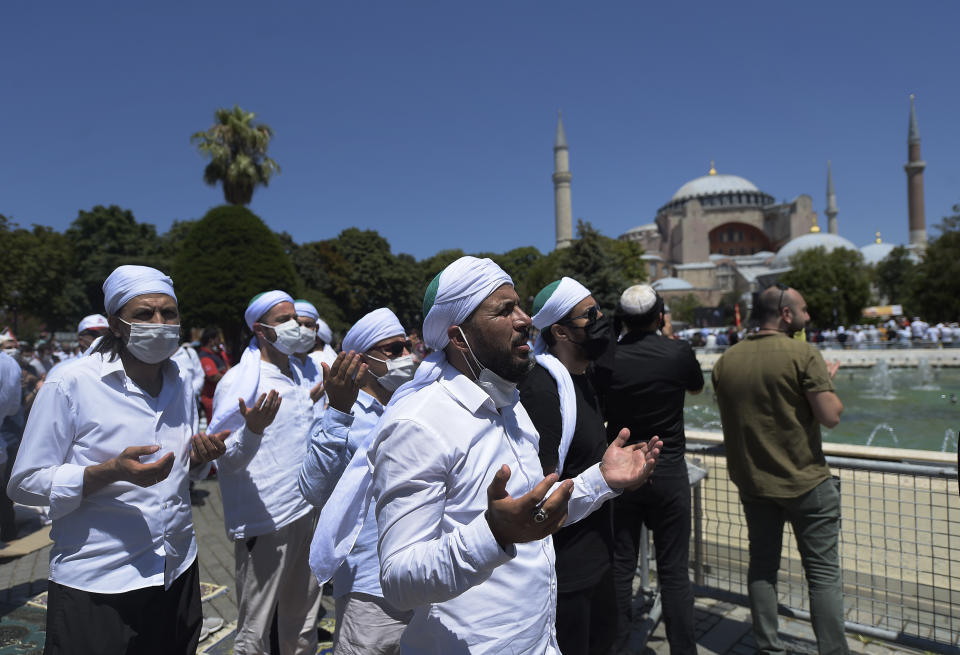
x=368 y=625
x=273 y=575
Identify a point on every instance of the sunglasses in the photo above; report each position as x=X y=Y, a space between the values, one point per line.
x=395 y=349
x=590 y=315
x=783 y=287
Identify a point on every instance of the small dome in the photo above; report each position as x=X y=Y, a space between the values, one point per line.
x=709 y=185
x=646 y=227
x=671 y=284
x=874 y=252
x=828 y=241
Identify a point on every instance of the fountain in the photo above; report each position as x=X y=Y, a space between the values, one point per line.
x=949 y=437
x=888 y=428
x=880 y=384
x=927 y=375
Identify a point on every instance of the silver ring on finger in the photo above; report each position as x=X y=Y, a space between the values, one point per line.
x=540 y=515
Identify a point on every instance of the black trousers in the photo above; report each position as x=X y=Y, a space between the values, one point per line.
x=587 y=618
x=664 y=506
x=149 y=621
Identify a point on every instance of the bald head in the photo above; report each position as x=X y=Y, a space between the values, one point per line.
x=782 y=308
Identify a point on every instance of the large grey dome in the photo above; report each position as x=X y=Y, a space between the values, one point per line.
x=829 y=242
x=713 y=184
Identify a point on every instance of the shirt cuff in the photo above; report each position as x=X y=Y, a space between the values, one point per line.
x=594 y=482
x=334 y=419
x=66 y=491
x=481 y=549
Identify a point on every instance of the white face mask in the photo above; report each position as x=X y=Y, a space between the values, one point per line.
x=501 y=391
x=13 y=352
x=288 y=336
x=152 y=343
x=308 y=339
x=399 y=370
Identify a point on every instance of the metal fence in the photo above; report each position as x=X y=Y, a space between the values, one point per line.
x=899 y=546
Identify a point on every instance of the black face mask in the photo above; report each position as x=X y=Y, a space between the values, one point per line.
x=598 y=335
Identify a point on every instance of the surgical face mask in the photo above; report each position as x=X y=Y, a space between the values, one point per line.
x=308 y=339
x=152 y=343
x=288 y=336
x=501 y=391
x=399 y=370
x=13 y=352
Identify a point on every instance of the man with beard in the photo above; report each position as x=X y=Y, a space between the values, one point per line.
x=562 y=403
x=774 y=393
x=650 y=379
x=463 y=512
x=374 y=363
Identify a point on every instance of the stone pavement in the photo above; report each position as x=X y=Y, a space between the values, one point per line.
x=721 y=627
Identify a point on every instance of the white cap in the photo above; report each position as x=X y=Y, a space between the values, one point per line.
x=93 y=322
x=638 y=299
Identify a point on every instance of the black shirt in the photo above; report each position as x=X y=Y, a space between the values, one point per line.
x=651 y=374
x=585 y=548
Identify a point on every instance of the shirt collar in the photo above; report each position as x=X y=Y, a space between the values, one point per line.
x=170 y=372
x=464 y=390
x=367 y=401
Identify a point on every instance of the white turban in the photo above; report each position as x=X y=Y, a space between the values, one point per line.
x=243 y=380
x=450 y=298
x=306 y=308
x=324 y=332
x=453 y=295
x=263 y=303
x=376 y=326
x=553 y=303
x=129 y=281
x=93 y=322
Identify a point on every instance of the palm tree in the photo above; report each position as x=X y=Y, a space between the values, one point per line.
x=238 y=154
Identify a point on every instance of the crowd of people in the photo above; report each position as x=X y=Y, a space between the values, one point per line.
x=476 y=484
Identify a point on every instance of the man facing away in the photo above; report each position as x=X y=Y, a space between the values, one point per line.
x=774 y=393
x=462 y=506
x=375 y=361
x=267 y=518
x=109 y=446
x=650 y=379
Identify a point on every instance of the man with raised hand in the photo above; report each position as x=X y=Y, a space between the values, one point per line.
x=265 y=514
x=310 y=369
x=561 y=399
x=108 y=446
x=463 y=510
x=375 y=361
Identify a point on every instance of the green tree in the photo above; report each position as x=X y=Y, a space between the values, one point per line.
x=229 y=257
x=836 y=285
x=603 y=265
x=237 y=149
x=681 y=308
x=936 y=290
x=895 y=276
x=102 y=239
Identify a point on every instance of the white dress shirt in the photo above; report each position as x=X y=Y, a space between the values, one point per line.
x=122 y=537
x=311 y=375
x=190 y=368
x=258 y=473
x=333 y=441
x=10 y=387
x=433 y=460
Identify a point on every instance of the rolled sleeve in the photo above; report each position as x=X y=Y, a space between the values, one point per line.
x=327 y=456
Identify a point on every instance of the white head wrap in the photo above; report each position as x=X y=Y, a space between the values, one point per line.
x=376 y=326
x=243 y=380
x=306 y=308
x=324 y=333
x=450 y=298
x=93 y=322
x=129 y=281
x=553 y=303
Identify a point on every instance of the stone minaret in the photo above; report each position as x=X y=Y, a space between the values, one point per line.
x=561 y=187
x=831 y=210
x=914 y=168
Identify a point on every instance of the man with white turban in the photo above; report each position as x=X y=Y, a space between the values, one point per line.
x=462 y=506
x=310 y=369
x=375 y=361
x=108 y=446
x=324 y=351
x=561 y=399
x=267 y=518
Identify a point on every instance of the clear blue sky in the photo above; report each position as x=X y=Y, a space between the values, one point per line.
x=433 y=122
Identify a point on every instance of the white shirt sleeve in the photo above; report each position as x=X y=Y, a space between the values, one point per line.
x=590 y=491
x=41 y=474
x=421 y=563
x=9 y=386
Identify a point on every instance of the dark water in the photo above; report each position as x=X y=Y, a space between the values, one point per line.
x=908 y=407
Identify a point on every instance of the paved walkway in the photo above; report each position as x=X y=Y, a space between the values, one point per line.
x=721 y=627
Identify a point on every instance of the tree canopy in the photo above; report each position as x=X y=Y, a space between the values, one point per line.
x=237 y=149
x=895 y=277
x=836 y=285
x=936 y=287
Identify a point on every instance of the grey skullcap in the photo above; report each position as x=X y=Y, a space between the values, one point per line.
x=638 y=299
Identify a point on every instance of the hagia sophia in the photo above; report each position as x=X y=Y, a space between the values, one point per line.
x=720 y=233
